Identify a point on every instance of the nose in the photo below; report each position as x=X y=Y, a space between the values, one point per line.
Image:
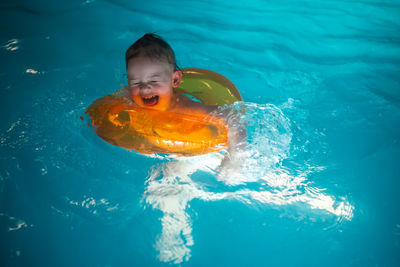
x=144 y=86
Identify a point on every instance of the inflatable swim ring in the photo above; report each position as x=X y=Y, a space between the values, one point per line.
x=150 y=131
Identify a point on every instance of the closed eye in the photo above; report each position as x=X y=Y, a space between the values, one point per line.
x=131 y=83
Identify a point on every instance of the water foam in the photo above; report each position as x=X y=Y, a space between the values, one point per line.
x=255 y=175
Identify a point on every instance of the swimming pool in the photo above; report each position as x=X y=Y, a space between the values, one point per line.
x=319 y=183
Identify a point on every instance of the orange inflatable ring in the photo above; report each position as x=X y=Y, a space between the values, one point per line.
x=150 y=131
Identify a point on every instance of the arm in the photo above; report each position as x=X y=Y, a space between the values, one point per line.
x=234 y=157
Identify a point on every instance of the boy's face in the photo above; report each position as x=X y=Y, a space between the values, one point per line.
x=151 y=82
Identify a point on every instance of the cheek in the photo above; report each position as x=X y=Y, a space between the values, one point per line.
x=132 y=89
x=134 y=94
x=164 y=90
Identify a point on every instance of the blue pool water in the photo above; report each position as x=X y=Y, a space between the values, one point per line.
x=319 y=180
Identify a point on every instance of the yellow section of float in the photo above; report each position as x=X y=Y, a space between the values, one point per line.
x=209 y=87
x=149 y=131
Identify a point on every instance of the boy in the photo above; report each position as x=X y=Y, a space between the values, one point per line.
x=152 y=76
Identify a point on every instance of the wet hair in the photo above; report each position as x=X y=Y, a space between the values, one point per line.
x=153 y=47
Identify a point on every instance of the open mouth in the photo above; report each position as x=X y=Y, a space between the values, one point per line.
x=150 y=100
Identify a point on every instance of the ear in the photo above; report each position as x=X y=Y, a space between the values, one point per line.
x=176 y=78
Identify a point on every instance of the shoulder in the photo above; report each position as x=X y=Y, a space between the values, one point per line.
x=184 y=104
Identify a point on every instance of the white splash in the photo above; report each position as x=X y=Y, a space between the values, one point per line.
x=92 y=205
x=32 y=71
x=170 y=189
x=15 y=223
x=11 y=45
x=170 y=186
